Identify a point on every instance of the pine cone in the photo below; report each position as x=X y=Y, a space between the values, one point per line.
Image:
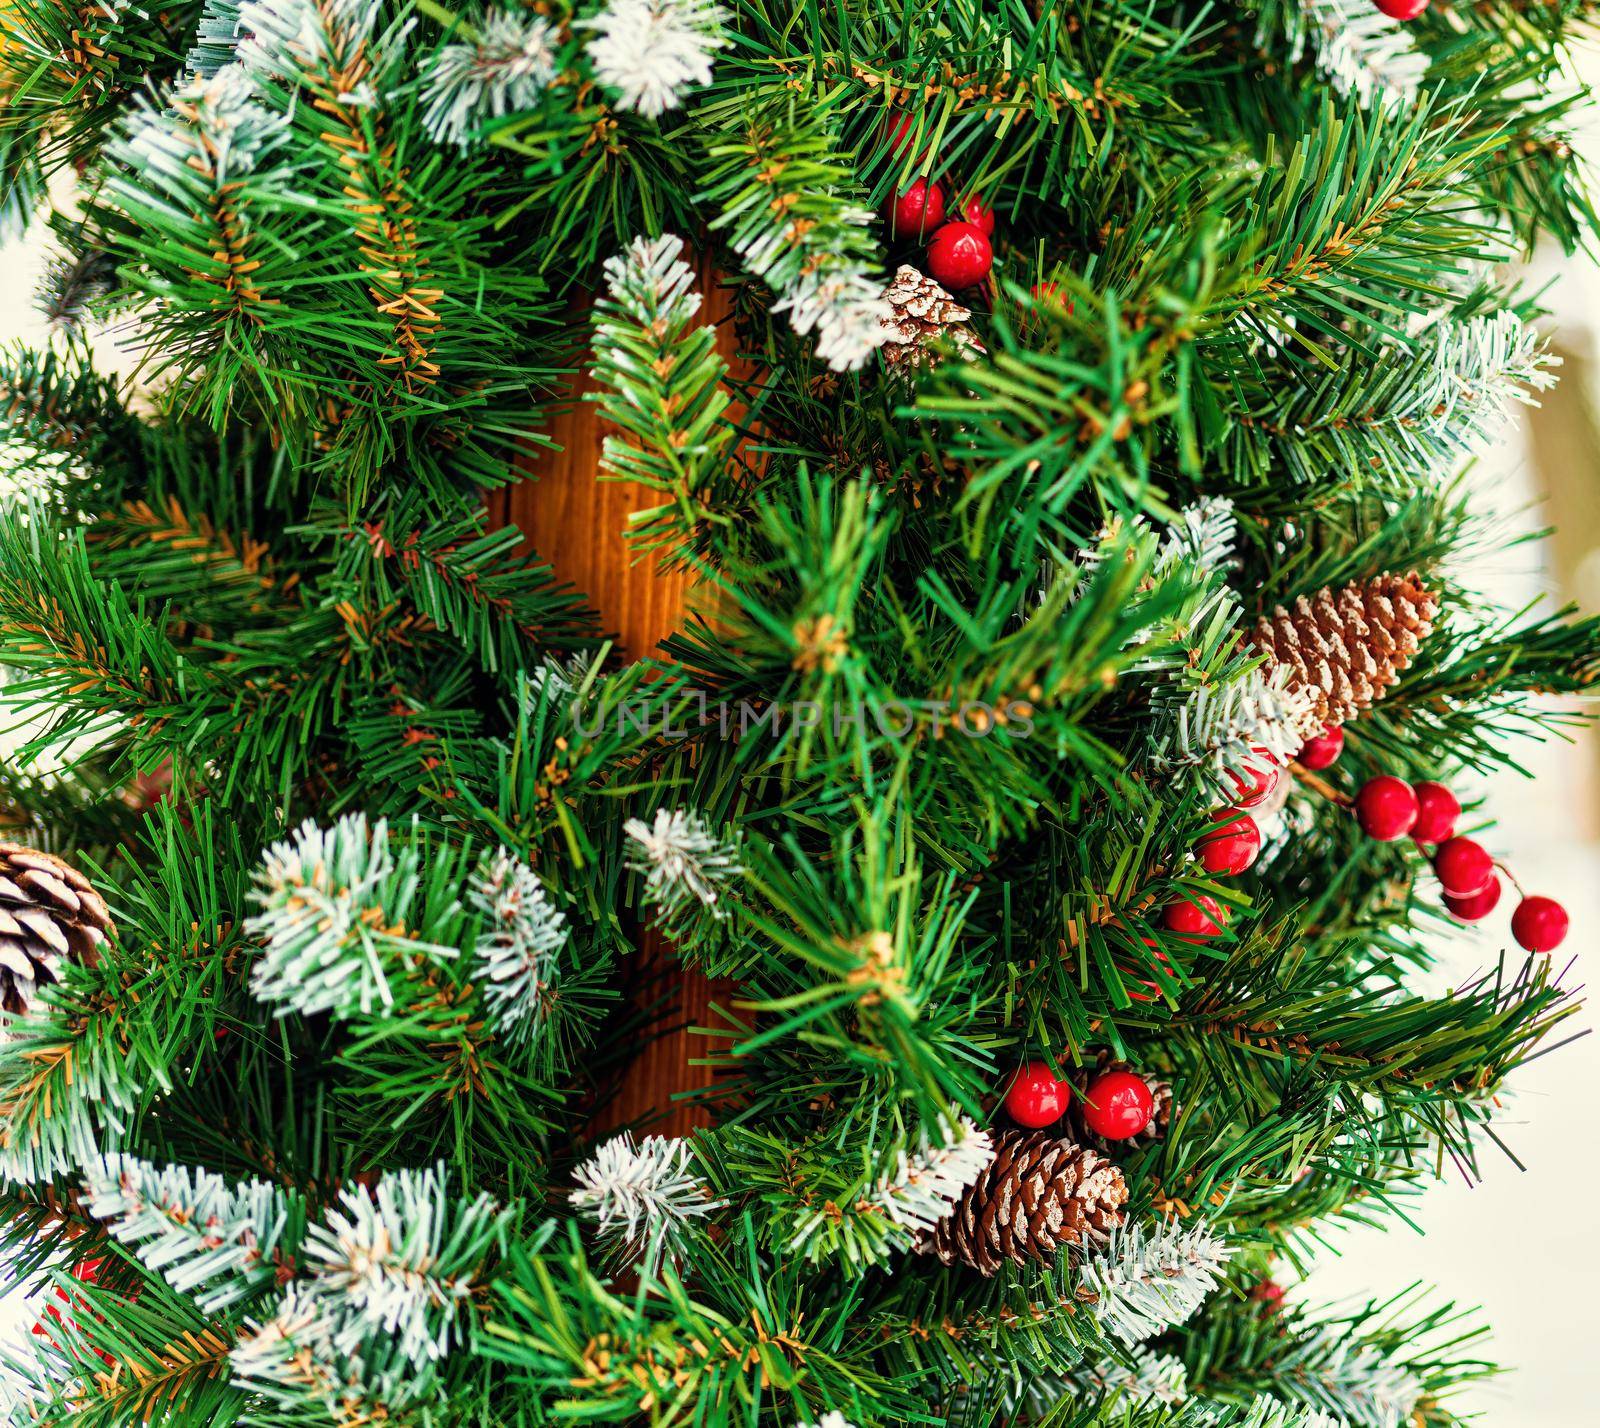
x=1345 y=647
x=916 y=478
x=1160 y=1093
x=921 y=312
x=1036 y=1194
x=47 y=911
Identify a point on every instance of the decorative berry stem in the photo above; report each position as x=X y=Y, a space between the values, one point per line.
x=1317 y=784
x=1511 y=877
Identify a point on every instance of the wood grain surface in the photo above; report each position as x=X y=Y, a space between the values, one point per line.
x=576 y=521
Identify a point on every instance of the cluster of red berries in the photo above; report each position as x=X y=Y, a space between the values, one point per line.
x=1389 y=808
x=959 y=253
x=1116 y=1104
x=1232 y=845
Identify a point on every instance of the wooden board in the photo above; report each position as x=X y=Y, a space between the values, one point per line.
x=576 y=521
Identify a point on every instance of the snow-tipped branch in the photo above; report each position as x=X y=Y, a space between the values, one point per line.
x=1201 y=537
x=685 y=864
x=1225 y=727
x=661 y=380
x=865 y=1223
x=642 y=1198
x=517 y=950
x=401 y=1261
x=333 y=925
x=928 y=1181
x=210 y=1240
x=1151 y=1279
x=787 y=210
x=1365 y=55
x=1483 y=366
x=652 y=51
x=504 y=68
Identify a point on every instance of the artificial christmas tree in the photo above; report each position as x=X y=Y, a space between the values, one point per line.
x=659 y=706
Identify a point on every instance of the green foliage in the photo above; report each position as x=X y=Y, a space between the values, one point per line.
x=386 y=821
x=664 y=373
x=68 y=74
x=1355 y=1365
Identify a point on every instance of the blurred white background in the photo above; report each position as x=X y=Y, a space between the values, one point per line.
x=1523 y=1245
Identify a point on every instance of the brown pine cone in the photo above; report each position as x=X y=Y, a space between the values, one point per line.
x=48 y=912
x=915 y=479
x=1160 y=1093
x=1345 y=647
x=1037 y=1194
x=921 y=312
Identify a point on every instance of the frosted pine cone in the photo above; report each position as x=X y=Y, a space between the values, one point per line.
x=920 y=313
x=1345 y=647
x=1037 y=1194
x=48 y=912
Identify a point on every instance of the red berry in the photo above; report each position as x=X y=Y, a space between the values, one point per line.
x=1035 y=1097
x=1386 y=808
x=1323 y=750
x=960 y=255
x=900 y=131
x=979 y=215
x=1269 y=1295
x=1118 y=1105
x=1051 y=293
x=919 y=210
x=1401 y=9
x=1202 y=917
x=1153 y=991
x=1254 y=782
x=1539 y=924
x=1437 y=811
x=88 y=1273
x=1232 y=847
x=1463 y=867
x=1475 y=907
